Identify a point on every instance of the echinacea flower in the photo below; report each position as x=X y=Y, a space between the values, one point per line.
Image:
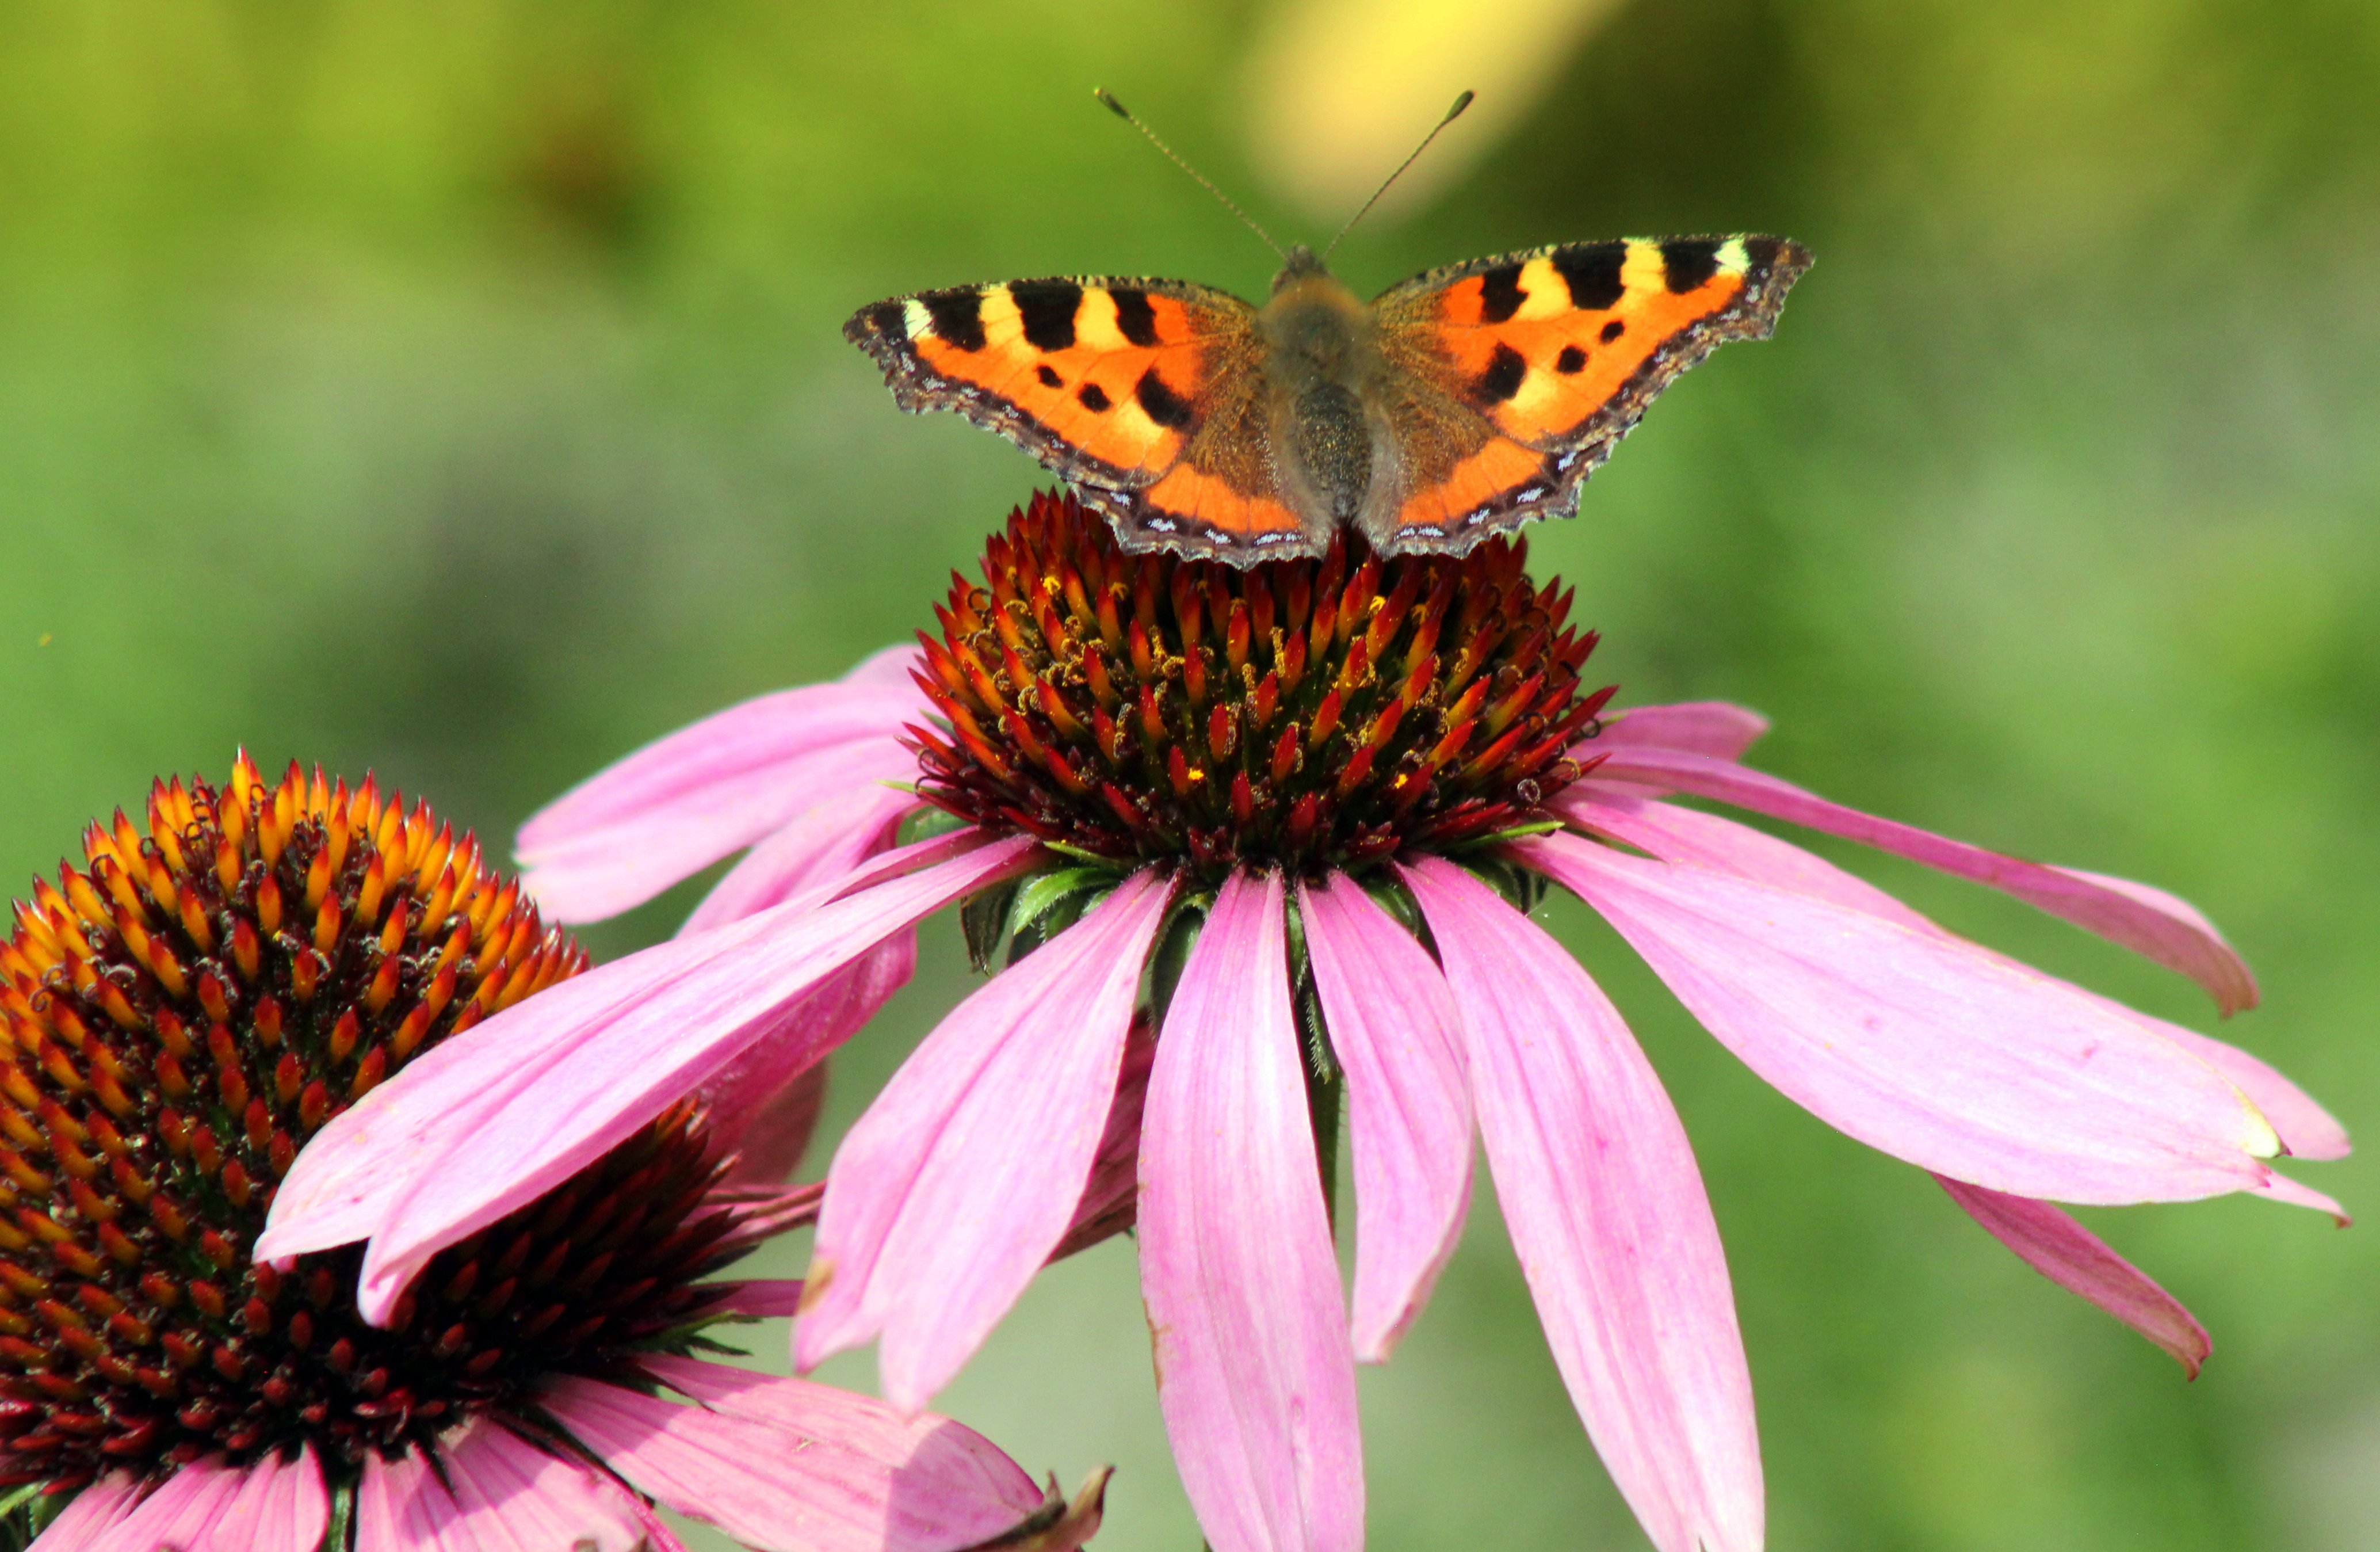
x=1291 y=819
x=182 y=1016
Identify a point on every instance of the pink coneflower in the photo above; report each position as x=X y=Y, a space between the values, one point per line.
x=1291 y=819
x=181 y=1017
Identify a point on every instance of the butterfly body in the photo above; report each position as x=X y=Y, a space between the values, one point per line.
x=1457 y=405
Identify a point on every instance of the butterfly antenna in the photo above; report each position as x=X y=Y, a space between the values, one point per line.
x=1451 y=115
x=1104 y=96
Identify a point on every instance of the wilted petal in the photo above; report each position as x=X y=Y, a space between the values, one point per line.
x=1393 y=1025
x=951 y=1192
x=2052 y=1244
x=1607 y=1211
x=493 y=1492
x=1922 y=1046
x=1255 y=1373
x=84 y=1525
x=2147 y=921
x=1712 y=728
x=681 y=803
x=1680 y=834
x=445 y=1149
x=788 y=1466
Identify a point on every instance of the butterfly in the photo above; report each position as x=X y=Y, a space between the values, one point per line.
x=1458 y=405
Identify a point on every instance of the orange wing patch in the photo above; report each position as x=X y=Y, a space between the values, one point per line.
x=1218 y=512
x=1559 y=351
x=1098 y=378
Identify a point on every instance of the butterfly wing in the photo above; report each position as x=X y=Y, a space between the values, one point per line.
x=1146 y=394
x=1512 y=378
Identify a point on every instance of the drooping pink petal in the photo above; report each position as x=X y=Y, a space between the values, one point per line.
x=1922 y=1046
x=1607 y=1210
x=2280 y=1188
x=445 y=1148
x=1393 y=1025
x=2052 y=1244
x=84 y=1524
x=1254 y=1372
x=1684 y=835
x=850 y=823
x=1110 y=1201
x=1680 y=834
x=499 y=1492
x=951 y=1192
x=2147 y=921
x=788 y=1466
x=765 y=1103
x=1712 y=728
x=681 y=803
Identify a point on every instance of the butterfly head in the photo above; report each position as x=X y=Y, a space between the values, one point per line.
x=1296 y=264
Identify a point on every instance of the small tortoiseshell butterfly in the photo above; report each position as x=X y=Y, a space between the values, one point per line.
x=1460 y=404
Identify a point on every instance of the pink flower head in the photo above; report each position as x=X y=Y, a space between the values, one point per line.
x=181 y=1019
x=1288 y=821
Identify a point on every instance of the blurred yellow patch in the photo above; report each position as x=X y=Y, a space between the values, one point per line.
x=1340 y=90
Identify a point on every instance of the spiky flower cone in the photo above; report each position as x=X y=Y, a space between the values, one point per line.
x=181 y=1015
x=1309 y=713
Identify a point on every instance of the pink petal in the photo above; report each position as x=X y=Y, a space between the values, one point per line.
x=770 y=1133
x=181 y=1513
x=85 y=1524
x=1712 y=728
x=1922 y=1046
x=270 y=1505
x=499 y=1494
x=681 y=803
x=1393 y=1025
x=283 y=1507
x=1607 y=1210
x=893 y=667
x=766 y=1298
x=1679 y=834
x=450 y=1145
x=788 y=1466
x=1684 y=835
x=845 y=826
x=2053 y=1244
x=2307 y=1130
x=1254 y=1372
x=951 y=1192
x=1111 y=1201
x=2147 y=921
x=2280 y=1188
x=765 y=1103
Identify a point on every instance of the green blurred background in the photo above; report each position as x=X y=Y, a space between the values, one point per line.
x=453 y=389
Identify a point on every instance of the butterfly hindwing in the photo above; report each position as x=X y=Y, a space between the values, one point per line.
x=1135 y=390
x=1536 y=363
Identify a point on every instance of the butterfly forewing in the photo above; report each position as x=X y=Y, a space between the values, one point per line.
x=1538 y=362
